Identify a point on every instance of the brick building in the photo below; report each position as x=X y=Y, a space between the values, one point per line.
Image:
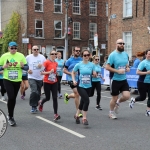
x=129 y=20
x=46 y=24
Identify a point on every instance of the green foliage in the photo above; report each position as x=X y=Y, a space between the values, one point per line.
x=11 y=31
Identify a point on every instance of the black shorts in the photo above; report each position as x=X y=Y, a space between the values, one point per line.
x=24 y=78
x=71 y=84
x=119 y=86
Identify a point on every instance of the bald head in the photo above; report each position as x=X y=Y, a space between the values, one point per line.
x=119 y=41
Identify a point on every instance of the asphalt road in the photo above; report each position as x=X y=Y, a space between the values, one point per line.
x=131 y=131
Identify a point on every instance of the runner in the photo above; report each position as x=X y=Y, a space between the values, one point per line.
x=24 y=84
x=35 y=61
x=3 y=91
x=143 y=83
x=69 y=65
x=96 y=82
x=59 y=72
x=12 y=64
x=85 y=69
x=50 y=83
x=119 y=59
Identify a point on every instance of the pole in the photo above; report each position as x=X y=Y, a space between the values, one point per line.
x=66 y=30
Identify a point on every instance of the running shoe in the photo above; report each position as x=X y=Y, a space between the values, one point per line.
x=66 y=99
x=33 y=110
x=112 y=116
x=60 y=96
x=98 y=107
x=3 y=98
x=77 y=119
x=132 y=102
x=147 y=113
x=116 y=109
x=40 y=106
x=85 y=122
x=22 y=97
x=11 y=121
x=56 y=117
x=80 y=115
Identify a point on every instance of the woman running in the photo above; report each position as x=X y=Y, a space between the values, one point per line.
x=59 y=72
x=50 y=83
x=85 y=71
x=143 y=83
x=96 y=82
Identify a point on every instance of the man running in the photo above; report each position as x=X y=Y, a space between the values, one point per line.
x=119 y=59
x=35 y=62
x=69 y=65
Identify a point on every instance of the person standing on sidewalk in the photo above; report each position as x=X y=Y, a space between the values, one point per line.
x=12 y=64
x=59 y=72
x=35 y=62
x=143 y=83
x=119 y=59
x=50 y=83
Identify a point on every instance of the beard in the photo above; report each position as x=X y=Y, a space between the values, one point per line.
x=77 y=55
x=120 y=49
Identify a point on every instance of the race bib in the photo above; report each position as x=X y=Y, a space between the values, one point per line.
x=85 y=79
x=52 y=77
x=13 y=75
x=24 y=73
x=58 y=69
x=98 y=75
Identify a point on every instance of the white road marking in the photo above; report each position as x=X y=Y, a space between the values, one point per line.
x=61 y=127
x=3 y=101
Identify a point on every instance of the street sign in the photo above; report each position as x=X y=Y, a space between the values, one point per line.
x=96 y=40
x=25 y=40
x=113 y=16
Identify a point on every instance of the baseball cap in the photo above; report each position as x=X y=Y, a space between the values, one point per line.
x=12 y=44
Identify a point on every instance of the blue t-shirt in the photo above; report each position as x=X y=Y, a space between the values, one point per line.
x=98 y=71
x=70 y=63
x=60 y=66
x=144 y=66
x=85 y=74
x=136 y=63
x=119 y=60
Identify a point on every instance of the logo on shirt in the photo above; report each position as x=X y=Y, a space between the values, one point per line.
x=12 y=62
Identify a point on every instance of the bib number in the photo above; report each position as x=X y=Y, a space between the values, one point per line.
x=52 y=77
x=98 y=75
x=58 y=69
x=86 y=79
x=24 y=73
x=13 y=75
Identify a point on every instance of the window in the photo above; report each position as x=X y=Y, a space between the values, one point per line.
x=76 y=7
x=127 y=37
x=106 y=9
x=93 y=7
x=76 y=30
x=58 y=6
x=127 y=9
x=58 y=29
x=39 y=5
x=93 y=30
x=106 y=32
x=39 y=28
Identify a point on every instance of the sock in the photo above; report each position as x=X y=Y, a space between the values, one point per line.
x=118 y=101
x=111 y=112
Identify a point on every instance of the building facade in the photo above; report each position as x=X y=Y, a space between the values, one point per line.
x=129 y=20
x=46 y=24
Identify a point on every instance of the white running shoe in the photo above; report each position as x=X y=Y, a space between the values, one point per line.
x=112 y=116
x=147 y=113
x=132 y=102
x=116 y=109
x=3 y=98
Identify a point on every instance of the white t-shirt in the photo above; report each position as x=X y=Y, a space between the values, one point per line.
x=33 y=62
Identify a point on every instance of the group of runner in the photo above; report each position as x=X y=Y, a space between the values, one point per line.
x=83 y=77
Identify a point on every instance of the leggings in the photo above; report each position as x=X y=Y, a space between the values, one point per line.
x=143 y=88
x=48 y=88
x=59 y=85
x=97 y=86
x=12 y=89
x=3 y=91
x=84 y=102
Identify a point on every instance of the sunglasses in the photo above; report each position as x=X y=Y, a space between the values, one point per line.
x=13 y=48
x=86 y=55
x=77 y=50
x=121 y=43
x=35 y=49
x=96 y=59
x=53 y=54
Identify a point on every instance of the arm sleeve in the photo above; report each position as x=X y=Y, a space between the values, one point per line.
x=110 y=60
x=76 y=67
x=141 y=66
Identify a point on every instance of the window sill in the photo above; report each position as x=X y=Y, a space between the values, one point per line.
x=38 y=11
x=129 y=17
x=58 y=13
x=93 y=15
x=91 y=39
x=76 y=39
x=39 y=38
x=58 y=39
x=76 y=14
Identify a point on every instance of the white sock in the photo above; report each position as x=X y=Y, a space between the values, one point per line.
x=118 y=101
x=111 y=112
